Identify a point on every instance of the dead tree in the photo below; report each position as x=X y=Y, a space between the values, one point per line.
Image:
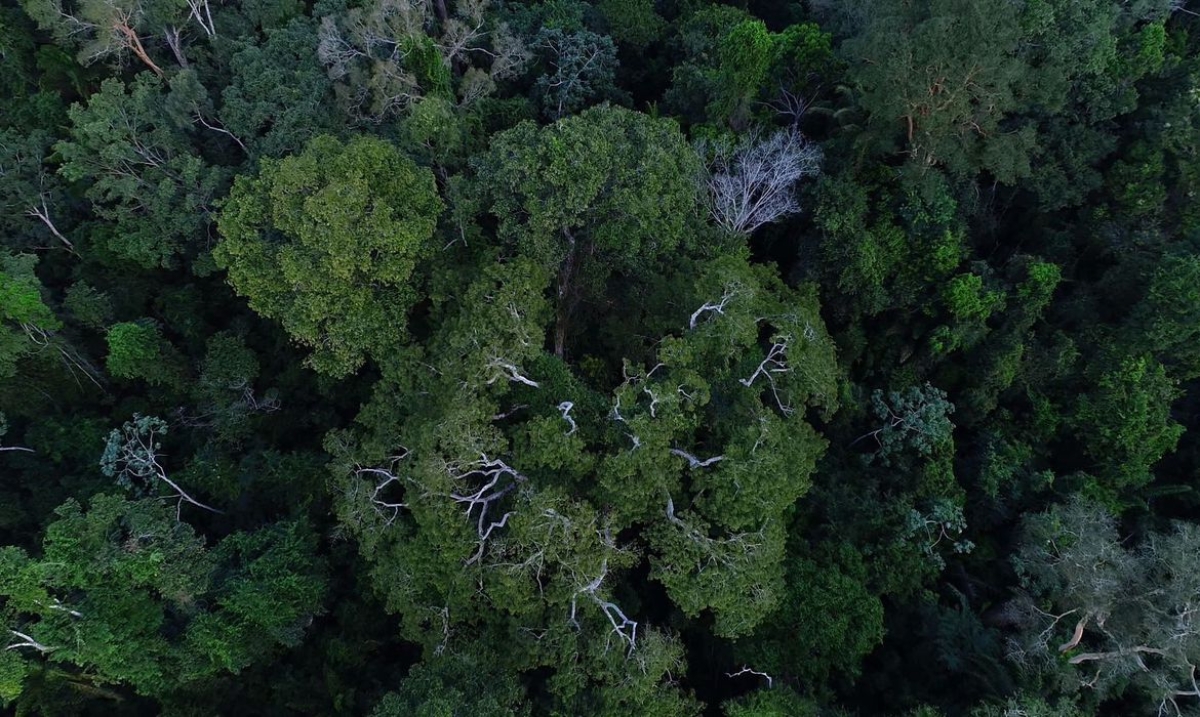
x=752 y=182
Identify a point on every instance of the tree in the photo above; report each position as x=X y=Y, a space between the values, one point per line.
x=28 y=322
x=124 y=594
x=99 y=596
x=131 y=456
x=138 y=350
x=623 y=195
x=1111 y=617
x=827 y=621
x=942 y=76
x=1125 y=425
x=447 y=685
x=329 y=242
x=580 y=68
x=386 y=54
x=734 y=67
x=915 y=419
x=753 y=182
x=279 y=96
x=31 y=196
x=116 y=28
x=141 y=172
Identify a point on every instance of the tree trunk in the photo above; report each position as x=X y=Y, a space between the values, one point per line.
x=566 y=294
x=135 y=44
x=43 y=214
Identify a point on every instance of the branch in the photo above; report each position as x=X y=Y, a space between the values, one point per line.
x=1094 y=656
x=775 y=362
x=693 y=461
x=625 y=629
x=511 y=372
x=566 y=407
x=746 y=670
x=42 y=213
x=28 y=641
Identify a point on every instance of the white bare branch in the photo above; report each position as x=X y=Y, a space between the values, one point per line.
x=27 y=641
x=565 y=407
x=504 y=369
x=218 y=128
x=134 y=454
x=747 y=671
x=731 y=291
x=622 y=627
x=201 y=13
x=693 y=461
x=41 y=212
x=384 y=479
x=58 y=606
x=774 y=363
x=751 y=182
x=486 y=482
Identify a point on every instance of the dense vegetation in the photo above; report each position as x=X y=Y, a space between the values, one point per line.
x=612 y=358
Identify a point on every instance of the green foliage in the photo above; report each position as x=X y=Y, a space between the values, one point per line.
x=621 y=181
x=328 y=242
x=731 y=61
x=916 y=419
x=279 y=97
x=632 y=22
x=140 y=171
x=130 y=595
x=774 y=702
x=1125 y=424
x=448 y=685
x=582 y=64
x=22 y=310
x=828 y=623
x=268 y=591
x=938 y=78
x=135 y=351
x=571 y=446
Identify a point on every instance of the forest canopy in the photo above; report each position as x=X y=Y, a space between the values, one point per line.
x=783 y=358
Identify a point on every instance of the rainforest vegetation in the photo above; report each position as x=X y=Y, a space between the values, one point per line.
x=600 y=358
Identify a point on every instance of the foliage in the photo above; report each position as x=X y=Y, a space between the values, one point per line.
x=599 y=357
x=328 y=242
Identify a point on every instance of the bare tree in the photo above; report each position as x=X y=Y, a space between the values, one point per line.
x=751 y=182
